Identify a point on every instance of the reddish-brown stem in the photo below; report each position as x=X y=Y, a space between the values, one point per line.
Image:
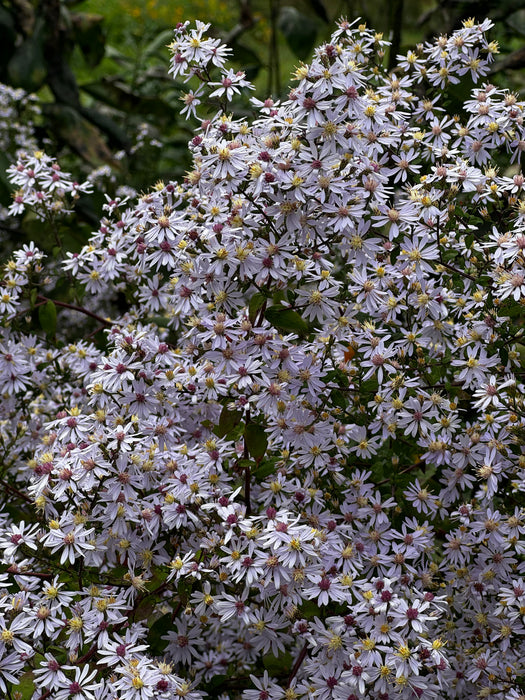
x=455 y=269
x=411 y=468
x=14 y=490
x=297 y=664
x=35 y=574
x=74 y=307
x=87 y=656
x=247 y=473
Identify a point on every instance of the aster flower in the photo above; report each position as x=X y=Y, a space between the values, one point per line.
x=81 y=688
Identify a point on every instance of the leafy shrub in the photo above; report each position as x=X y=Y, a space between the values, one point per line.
x=290 y=464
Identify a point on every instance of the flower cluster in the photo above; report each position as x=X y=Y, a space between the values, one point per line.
x=18 y=114
x=42 y=185
x=296 y=468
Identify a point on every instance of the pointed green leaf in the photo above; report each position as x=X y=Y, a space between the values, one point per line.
x=339 y=399
x=286 y=319
x=26 y=685
x=157 y=630
x=159 y=43
x=255 y=303
x=300 y=31
x=227 y=422
x=256 y=440
x=265 y=469
x=118 y=95
x=278 y=665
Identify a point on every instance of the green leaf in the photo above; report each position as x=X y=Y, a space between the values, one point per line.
x=286 y=319
x=309 y=609
x=255 y=303
x=228 y=420
x=469 y=240
x=265 y=469
x=27 y=68
x=26 y=685
x=159 y=628
x=426 y=476
x=339 y=399
x=215 y=685
x=338 y=376
x=90 y=36
x=159 y=43
x=248 y=59
x=74 y=238
x=278 y=296
x=117 y=94
x=277 y=665
x=116 y=135
x=160 y=321
x=256 y=440
x=145 y=608
x=394 y=254
x=47 y=315
x=299 y=31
